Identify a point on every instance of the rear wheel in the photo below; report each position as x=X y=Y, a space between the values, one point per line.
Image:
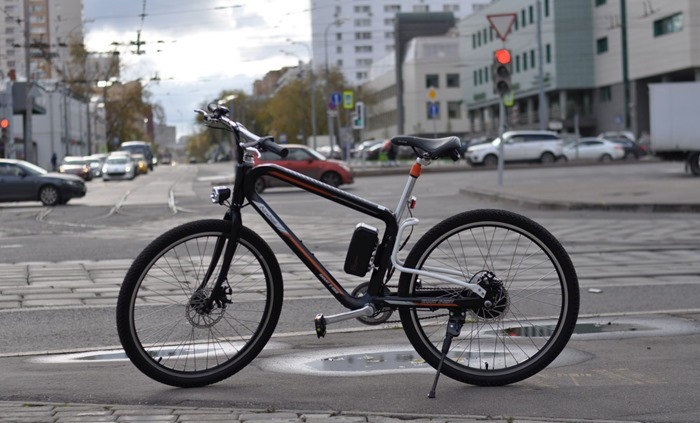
x=694 y=162
x=606 y=158
x=547 y=158
x=529 y=280
x=332 y=179
x=165 y=324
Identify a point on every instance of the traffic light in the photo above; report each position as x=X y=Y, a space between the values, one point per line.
x=4 y=130
x=358 y=117
x=502 y=71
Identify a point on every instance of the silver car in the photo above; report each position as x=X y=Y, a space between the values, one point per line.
x=120 y=166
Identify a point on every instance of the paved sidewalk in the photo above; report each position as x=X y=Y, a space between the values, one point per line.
x=645 y=186
x=19 y=412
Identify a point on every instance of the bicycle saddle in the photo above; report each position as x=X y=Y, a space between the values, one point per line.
x=435 y=148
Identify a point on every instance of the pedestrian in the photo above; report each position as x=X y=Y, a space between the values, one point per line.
x=54 y=159
x=390 y=149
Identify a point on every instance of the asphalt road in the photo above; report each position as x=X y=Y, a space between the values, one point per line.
x=641 y=366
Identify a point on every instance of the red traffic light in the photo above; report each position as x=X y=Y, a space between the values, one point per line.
x=503 y=56
x=4 y=123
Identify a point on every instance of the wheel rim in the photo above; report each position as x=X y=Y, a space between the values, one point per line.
x=169 y=330
x=490 y=161
x=331 y=179
x=49 y=195
x=547 y=158
x=506 y=341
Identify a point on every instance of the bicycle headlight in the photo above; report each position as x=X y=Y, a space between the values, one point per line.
x=220 y=194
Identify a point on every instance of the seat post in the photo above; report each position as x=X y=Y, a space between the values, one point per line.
x=410 y=183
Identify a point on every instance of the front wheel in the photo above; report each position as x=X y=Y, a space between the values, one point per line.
x=49 y=195
x=530 y=282
x=332 y=179
x=164 y=323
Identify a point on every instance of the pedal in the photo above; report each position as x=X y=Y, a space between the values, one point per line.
x=320 y=323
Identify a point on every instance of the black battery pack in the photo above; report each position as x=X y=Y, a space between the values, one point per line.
x=362 y=246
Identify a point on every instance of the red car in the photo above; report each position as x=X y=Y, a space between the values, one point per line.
x=75 y=165
x=304 y=160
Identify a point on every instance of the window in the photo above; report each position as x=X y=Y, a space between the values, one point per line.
x=517 y=64
x=478 y=38
x=515 y=22
x=421 y=8
x=432 y=80
x=525 y=61
x=450 y=8
x=37 y=19
x=298 y=155
x=363 y=35
x=546 y=8
x=532 y=15
x=11 y=64
x=389 y=21
x=523 y=20
x=362 y=9
x=361 y=75
x=454 y=109
x=339 y=62
x=389 y=48
x=338 y=11
x=432 y=109
x=668 y=25
x=481 y=76
x=339 y=49
x=490 y=33
x=363 y=62
x=339 y=36
x=532 y=58
x=601 y=45
x=473 y=41
x=9 y=30
x=485 y=39
x=599 y=2
x=363 y=22
x=605 y=94
x=452 y=80
x=363 y=49
x=10 y=52
x=38 y=30
x=392 y=8
x=548 y=53
x=476 y=80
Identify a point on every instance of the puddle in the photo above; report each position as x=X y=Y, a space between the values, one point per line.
x=119 y=355
x=581 y=328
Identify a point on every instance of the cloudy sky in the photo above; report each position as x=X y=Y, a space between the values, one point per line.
x=198 y=48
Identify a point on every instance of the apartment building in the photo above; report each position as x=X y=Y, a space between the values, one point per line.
x=351 y=36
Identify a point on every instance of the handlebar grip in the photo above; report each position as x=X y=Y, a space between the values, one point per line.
x=271 y=145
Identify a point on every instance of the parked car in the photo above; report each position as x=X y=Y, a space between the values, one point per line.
x=618 y=135
x=119 y=166
x=141 y=164
x=141 y=147
x=309 y=162
x=75 y=165
x=360 y=150
x=23 y=181
x=632 y=149
x=593 y=149
x=519 y=146
x=166 y=158
x=326 y=151
x=96 y=162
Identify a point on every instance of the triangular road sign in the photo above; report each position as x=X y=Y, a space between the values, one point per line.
x=502 y=23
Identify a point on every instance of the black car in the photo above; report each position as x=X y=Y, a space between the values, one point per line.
x=632 y=149
x=23 y=181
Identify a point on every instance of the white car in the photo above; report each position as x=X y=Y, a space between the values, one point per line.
x=594 y=149
x=119 y=166
x=519 y=146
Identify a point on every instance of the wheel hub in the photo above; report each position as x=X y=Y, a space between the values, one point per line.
x=496 y=300
x=199 y=314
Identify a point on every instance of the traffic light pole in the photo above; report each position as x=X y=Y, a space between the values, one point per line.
x=501 y=124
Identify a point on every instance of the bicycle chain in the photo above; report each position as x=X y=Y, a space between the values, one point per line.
x=420 y=318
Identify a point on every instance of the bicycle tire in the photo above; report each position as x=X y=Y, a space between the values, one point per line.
x=160 y=285
x=536 y=316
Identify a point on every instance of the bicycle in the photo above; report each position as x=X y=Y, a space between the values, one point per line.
x=201 y=301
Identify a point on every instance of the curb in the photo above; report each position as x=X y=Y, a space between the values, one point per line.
x=50 y=412
x=579 y=206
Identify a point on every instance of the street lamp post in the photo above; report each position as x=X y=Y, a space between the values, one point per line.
x=312 y=94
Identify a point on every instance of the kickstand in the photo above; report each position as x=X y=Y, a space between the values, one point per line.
x=454 y=327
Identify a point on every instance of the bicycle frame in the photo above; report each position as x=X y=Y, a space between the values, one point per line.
x=387 y=250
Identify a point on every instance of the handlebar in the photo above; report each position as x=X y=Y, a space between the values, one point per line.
x=218 y=114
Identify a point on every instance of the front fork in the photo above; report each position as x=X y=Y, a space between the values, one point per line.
x=229 y=250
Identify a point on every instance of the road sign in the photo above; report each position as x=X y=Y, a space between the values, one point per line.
x=348 y=100
x=432 y=94
x=502 y=23
x=336 y=99
x=434 y=110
